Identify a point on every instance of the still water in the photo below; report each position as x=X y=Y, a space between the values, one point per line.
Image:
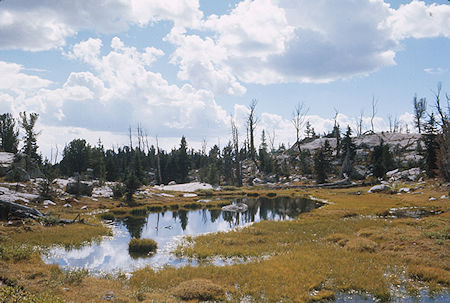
x=168 y=228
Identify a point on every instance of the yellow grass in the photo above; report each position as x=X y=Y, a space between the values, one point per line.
x=342 y=246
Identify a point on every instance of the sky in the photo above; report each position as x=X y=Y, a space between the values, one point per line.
x=93 y=69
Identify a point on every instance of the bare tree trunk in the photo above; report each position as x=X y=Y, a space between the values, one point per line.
x=235 y=134
x=158 y=163
x=374 y=112
x=252 y=121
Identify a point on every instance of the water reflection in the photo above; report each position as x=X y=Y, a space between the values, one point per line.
x=167 y=229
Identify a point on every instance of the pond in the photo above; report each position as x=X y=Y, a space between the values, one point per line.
x=168 y=229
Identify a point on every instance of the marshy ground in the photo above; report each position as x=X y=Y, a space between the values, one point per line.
x=354 y=243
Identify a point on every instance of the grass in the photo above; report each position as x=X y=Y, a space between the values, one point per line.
x=198 y=289
x=142 y=246
x=10 y=294
x=340 y=247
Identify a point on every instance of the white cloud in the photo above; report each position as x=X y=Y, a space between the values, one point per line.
x=266 y=42
x=45 y=24
x=118 y=90
x=12 y=77
x=418 y=20
x=435 y=71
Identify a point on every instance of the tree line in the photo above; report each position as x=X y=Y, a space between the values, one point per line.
x=141 y=163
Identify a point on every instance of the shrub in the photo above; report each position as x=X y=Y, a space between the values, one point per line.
x=118 y=190
x=142 y=246
x=198 y=289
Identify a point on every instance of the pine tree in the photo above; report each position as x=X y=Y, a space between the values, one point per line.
x=322 y=159
x=28 y=123
x=431 y=146
x=76 y=157
x=182 y=161
x=9 y=134
x=381 y=160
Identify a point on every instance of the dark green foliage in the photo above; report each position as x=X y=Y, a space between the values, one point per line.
x=9 y=134
x=431 y=146
x=118 y=190
x=322 y=159
x=381 y=160
x=28 y=123
x=76 y=157
x=131 y=186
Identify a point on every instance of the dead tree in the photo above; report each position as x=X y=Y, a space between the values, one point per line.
x=158 y=163
x=252 y=121
x=237 y=159
x=420 y=107
x=298 y=120
x=359 y=124
x=374 y=112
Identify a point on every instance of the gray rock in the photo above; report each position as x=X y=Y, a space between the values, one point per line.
x=79 y=188
x=17 y=174
x=48 y=202
x=379 y=188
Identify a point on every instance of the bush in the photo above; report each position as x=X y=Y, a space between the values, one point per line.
x=198 y=289
x=142 y=246
x=118 y=190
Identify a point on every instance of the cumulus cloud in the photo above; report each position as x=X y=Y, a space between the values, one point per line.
x=418 y=20
x=266 y=42
x=118 y=89
x=42 y=25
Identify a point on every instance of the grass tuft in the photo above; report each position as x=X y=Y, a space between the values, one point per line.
x=142 y=246
x=361 y=245
x=429 y=274
x=198 y=289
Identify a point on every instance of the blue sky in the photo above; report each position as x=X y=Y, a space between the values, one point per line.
x=186 y=67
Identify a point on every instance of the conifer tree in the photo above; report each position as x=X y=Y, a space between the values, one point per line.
x=28 y=123
x=431 y=146
x=381 y=160
x=9 y=134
